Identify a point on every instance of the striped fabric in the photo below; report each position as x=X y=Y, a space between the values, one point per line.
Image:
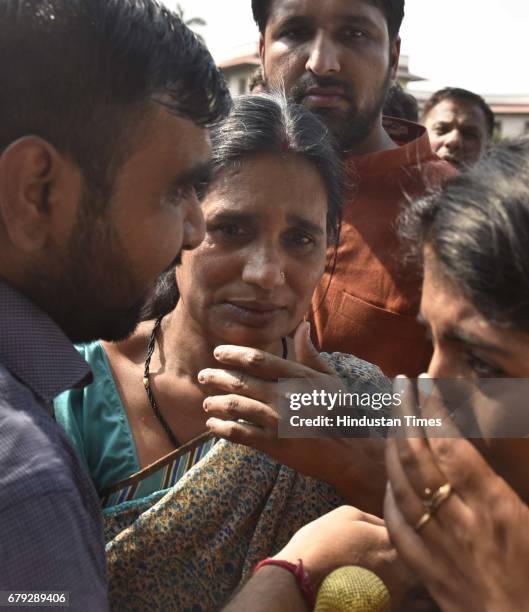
x=160 y=476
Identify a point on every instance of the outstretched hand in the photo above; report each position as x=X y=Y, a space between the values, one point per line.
x=473 y=552
x=347 y=536
x=243 y=408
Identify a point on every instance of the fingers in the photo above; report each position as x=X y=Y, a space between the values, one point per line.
x=408 y=501
x=414 y=478
x=351 y=513
x=408 y=544
x=239 y=433
x=256 y=362
x=407 y=409
x=240 y=383
x=460 y=462
x=409 y=458
x=411 y=461
x=371 y=518
x=264 y=365
x=341 y=537
x=434 y=567
x=306 y=353
x=236 y=407
x=432 y=407
x=465 y=468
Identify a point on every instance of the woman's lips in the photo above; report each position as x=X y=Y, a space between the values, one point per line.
x=254 y=313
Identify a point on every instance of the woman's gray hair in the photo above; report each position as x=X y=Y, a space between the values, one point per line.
x=270 y=124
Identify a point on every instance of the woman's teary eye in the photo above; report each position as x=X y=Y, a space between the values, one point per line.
x=482 y=368
x=231 y=229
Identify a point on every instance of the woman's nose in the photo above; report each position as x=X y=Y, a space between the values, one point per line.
x=264 y=269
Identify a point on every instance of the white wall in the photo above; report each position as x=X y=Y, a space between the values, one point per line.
x=233 y=76
x=513 y=125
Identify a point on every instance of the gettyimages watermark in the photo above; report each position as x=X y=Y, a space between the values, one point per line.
x=484 y=408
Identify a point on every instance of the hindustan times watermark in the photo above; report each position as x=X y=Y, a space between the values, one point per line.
x=485 y=408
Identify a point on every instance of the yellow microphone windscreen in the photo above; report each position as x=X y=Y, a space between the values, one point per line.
x=352 y=589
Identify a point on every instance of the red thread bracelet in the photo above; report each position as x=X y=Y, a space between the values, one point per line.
x=299 y=573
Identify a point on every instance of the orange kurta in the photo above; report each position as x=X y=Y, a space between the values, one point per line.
x=368 y=306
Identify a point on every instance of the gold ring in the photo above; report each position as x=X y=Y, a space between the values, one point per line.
x=423 y=520
x=435 y=500
x=432 y=502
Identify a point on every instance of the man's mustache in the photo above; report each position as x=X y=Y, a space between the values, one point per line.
x=308 y=81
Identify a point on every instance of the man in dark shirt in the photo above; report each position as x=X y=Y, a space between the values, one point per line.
x=104 y=106
x=51 y=537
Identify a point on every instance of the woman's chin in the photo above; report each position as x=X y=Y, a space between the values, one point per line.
x=255 y=338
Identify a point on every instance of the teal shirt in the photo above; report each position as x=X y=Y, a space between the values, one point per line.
x=95 y=421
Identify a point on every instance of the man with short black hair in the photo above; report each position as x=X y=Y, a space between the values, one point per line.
x=460 y=124
x=104 y=106
x=339 y=58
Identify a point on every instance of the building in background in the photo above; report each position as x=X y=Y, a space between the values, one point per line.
x=239 y=66
x=512 y=114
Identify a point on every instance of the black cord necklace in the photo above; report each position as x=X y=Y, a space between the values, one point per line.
x=146 y=381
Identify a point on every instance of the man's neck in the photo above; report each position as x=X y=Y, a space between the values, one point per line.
x=377 y=140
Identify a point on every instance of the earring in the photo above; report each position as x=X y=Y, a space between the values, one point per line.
x=283 y=277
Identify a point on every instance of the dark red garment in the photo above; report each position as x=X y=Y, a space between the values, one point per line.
x=368 y=307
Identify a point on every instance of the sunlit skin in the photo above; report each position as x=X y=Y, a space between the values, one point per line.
x=470 y=550
x=343 y=48
x=89 y=270
x=155 y=209
x=251 y=280
x=258 y=226
x=219 y=354
x=246 y=286
x=458 y=132
x=466 y=345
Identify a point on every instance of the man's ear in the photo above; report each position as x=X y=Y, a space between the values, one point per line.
x=262 y=53
x=394 y=57
x=32 y=177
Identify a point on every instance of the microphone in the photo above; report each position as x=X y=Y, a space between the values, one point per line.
x=352 y=589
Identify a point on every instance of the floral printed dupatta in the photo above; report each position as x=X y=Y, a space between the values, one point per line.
x=190 y=549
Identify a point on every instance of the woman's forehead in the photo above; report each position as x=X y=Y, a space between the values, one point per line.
x=269 y=183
